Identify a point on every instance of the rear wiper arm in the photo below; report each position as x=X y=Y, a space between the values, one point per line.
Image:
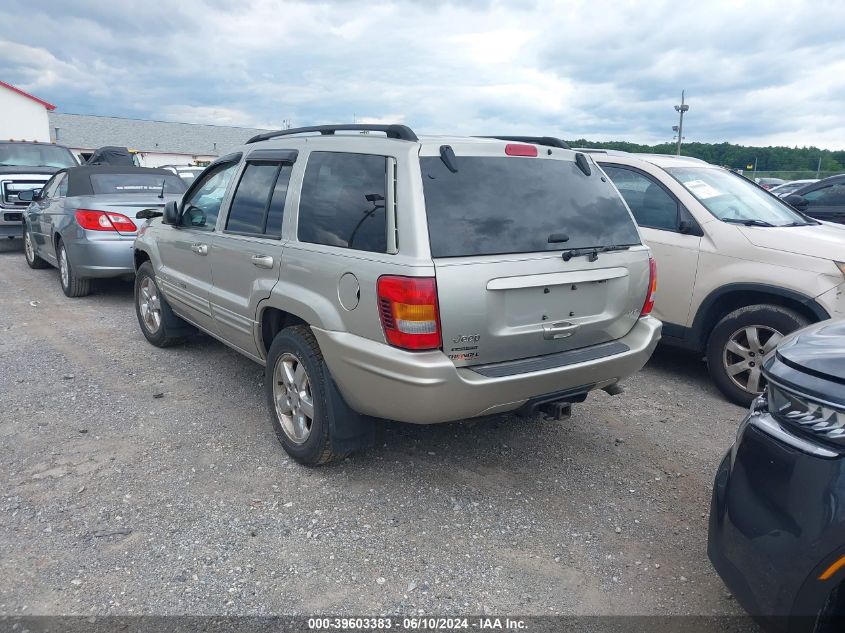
x=749 y=222
x=592 y=252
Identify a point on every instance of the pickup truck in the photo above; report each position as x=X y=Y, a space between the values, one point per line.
x=26 y=165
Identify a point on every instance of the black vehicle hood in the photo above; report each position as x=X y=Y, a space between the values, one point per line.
x=48 y=171
x=818 y=349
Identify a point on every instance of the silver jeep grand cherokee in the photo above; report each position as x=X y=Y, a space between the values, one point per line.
x=414 y=279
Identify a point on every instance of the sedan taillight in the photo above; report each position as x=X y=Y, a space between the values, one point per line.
x=104 y=221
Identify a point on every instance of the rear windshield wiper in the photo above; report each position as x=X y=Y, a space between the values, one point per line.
x=748 y=222
x=592 y=252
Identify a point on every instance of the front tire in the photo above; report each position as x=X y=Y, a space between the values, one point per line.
x=159 y=324
x=72 y=284
x=32 y=259
x=296 y=390
x=738 y=344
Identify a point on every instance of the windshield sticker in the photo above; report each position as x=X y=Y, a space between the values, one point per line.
x=702 y=190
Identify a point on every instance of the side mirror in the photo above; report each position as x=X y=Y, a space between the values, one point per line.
x=29 y=195
x=799 y=202
x=171 y=213
x=148 y=214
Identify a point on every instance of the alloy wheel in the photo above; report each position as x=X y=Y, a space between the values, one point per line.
x=743 y=355
x=150 y=305
x=64 y=269
x=293 y=398
x=28 y=247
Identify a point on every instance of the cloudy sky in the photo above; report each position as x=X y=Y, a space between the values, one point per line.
x=754 y=72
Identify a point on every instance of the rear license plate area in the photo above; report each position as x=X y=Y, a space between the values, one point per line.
x=525 y=306
x=13 y=217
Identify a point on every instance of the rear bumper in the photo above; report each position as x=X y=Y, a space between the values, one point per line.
x=776 y=522
x=102 y=257
x=426 y=387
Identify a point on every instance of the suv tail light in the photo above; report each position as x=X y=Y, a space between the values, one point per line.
x=408 y=309
x=517 y=149
x=104 y=221
x=652 y=288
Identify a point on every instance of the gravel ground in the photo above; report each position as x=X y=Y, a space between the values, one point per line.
x=148 y=481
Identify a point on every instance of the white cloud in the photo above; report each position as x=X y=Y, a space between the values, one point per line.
x=597 y=69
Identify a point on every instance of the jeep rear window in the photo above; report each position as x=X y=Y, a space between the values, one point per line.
x=502 y=205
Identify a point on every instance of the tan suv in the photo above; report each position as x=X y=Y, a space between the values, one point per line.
x=421 y=280
x=739 y=268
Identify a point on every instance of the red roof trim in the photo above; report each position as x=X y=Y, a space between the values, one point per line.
x=47 y=105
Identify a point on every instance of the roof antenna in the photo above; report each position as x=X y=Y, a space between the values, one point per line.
x=161 y=193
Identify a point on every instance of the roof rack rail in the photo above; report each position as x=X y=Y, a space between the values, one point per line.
x=548 y=141
x=401 y=132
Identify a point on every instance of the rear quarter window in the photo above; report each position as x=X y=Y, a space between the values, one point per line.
x=504 y=205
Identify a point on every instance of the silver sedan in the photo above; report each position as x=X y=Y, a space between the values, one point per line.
x=83 y=221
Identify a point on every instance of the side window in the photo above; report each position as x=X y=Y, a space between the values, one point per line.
x=200 y=210
x=653 y=207
x=62 y=192
x=342 y=201
x=259 y=201
x=49 y=190
x=830 y=196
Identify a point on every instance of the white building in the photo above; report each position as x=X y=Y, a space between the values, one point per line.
x=23 y=117
x=154 y=143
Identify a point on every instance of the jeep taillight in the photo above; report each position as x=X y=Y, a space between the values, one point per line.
x=408 y=309
x=648 y=306
x=104 y=221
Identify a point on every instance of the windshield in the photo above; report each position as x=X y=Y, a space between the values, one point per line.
x=732 y=198
x=33 y=155
x=136 y=183
x=520 y=205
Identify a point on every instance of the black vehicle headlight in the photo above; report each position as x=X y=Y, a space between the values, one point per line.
x=814 y=417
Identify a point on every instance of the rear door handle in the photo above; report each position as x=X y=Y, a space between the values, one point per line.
x=562 y=329
x=262 y=261
x=200 y=249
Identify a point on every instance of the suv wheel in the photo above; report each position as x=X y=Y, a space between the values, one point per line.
x=296 y=395
x=160 y=325
x=32 y=260
x=738 y=344
x=72 y=284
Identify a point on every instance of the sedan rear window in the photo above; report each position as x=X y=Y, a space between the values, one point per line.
x=497 y=205
x=136 y=183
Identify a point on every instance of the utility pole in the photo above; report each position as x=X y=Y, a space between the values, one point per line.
x=754 y=175
x=819 y=168
x=681 y=109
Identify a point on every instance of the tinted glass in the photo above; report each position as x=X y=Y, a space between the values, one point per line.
x=203 y=206
x=651 y=205
x=832 y=195
x=512 y=205
x=249 y=205
x=276 y=211
x=51 y=187
x=733 y=198
x=26 y=155
x=136 y=183
x=342 y=201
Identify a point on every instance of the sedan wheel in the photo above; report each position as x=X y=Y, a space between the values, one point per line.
x=744 y=352
x=28 y=248
x=64 y=268
x=292 y=397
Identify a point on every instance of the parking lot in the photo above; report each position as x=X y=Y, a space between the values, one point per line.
x=141 y=480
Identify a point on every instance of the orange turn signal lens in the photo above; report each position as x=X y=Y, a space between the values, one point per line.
x=830 y=571
x=410 y=312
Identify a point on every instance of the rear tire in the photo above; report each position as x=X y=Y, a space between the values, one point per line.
x=32 y=259
x=159 y=324
x=296 y=390
x=738 y=344
x=72 y=284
